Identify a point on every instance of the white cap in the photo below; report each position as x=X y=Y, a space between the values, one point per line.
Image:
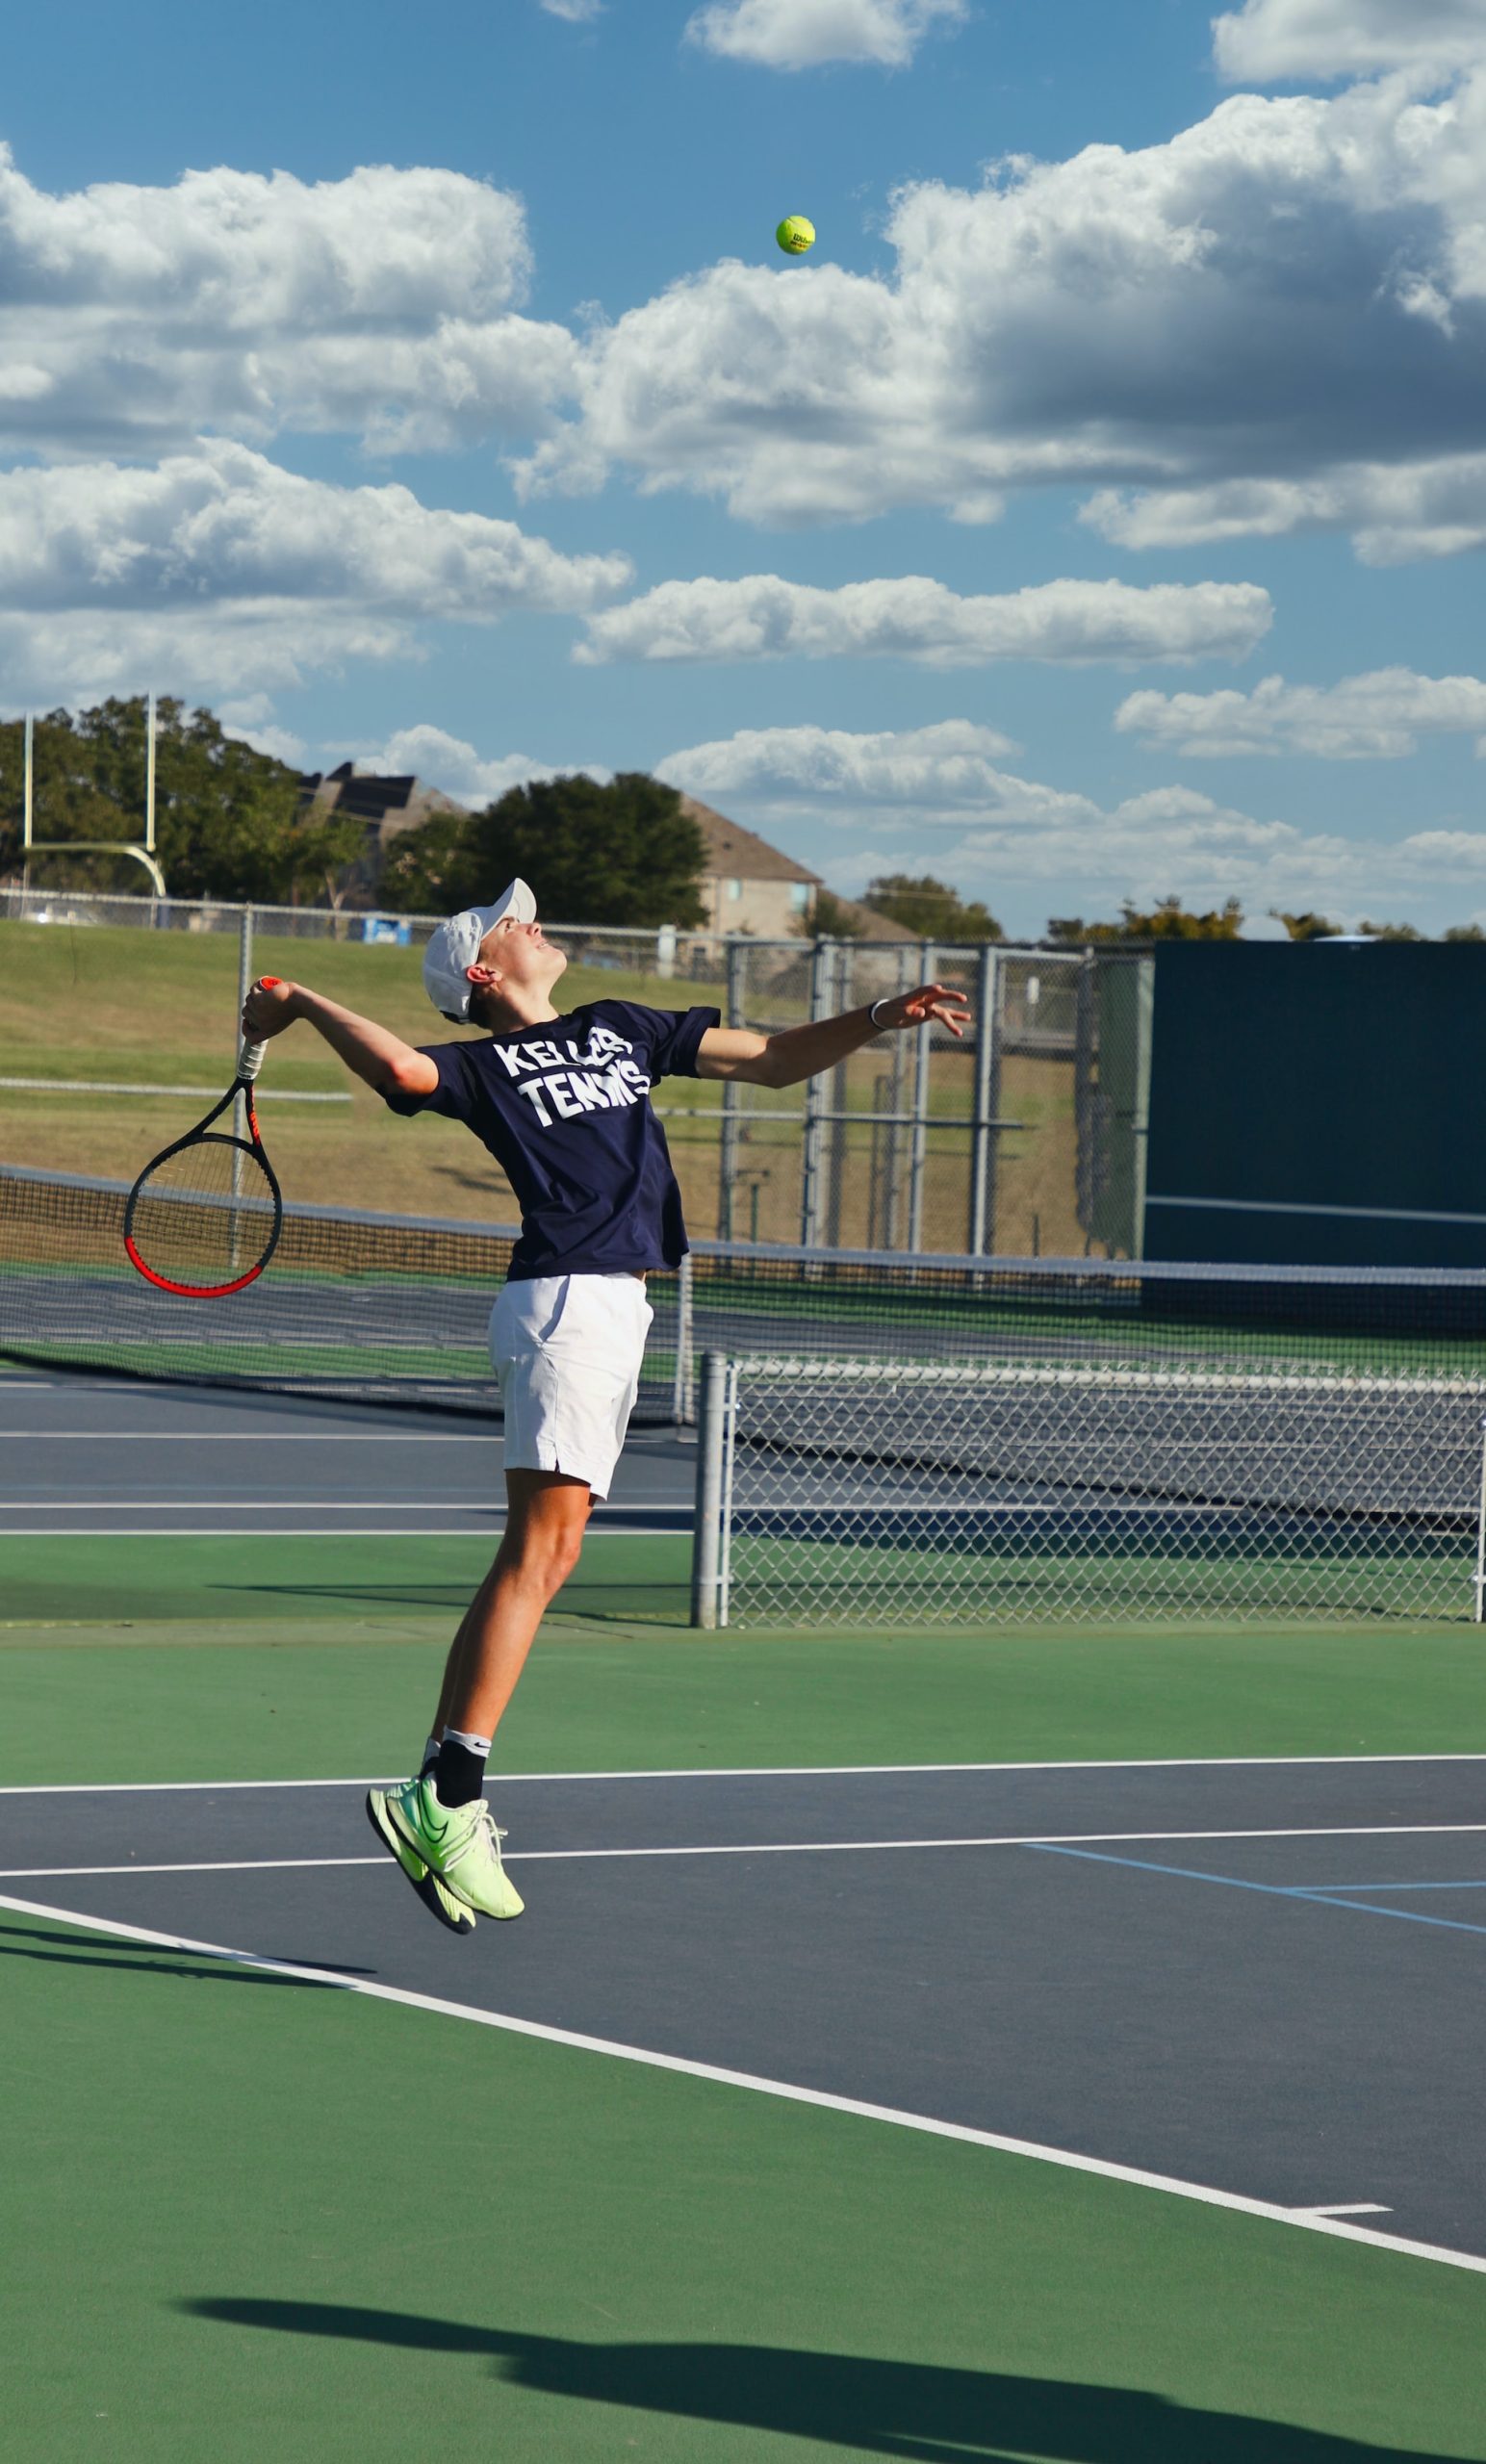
x=455 y=945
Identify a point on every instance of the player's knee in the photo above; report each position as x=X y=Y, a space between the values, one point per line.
x=547 y=1558
x=567 y=1548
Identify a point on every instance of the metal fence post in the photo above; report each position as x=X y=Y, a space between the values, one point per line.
x=244 y=986
x=731 y=1126
x=837 y=1147
x=812 y=1213
x=987 y=1105
x=918 y=1154
x=684 y=1400
x=1480 y=1540
x=710 y=1538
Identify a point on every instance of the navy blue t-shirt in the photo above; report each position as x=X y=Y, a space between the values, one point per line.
x=564 y=1109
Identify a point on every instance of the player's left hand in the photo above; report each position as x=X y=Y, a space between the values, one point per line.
x=932 y=1003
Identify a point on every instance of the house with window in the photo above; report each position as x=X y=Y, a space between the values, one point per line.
x=748 y=885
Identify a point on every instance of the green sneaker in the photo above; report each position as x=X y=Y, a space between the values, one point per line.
x=459 y=1844
x=431 y=1889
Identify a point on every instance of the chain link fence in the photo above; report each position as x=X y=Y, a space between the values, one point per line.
x=868 y=1495
x=1025 y=1138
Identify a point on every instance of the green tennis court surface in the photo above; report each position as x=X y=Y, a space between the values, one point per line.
x=261 y=2211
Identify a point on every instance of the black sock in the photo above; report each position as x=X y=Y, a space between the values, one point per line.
x=459 y=1774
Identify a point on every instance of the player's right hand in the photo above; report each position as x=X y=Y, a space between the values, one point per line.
x=270 y=1008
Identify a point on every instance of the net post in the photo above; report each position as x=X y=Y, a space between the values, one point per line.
x=709 y=1546
x=1480 y=1540
x=683 y=1395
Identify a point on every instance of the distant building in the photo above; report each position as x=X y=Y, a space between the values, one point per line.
x=386 y=805
x=748 y=885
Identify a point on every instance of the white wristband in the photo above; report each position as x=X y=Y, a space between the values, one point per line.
x=876 y=1006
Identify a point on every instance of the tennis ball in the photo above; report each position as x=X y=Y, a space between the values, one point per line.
x=795 y=235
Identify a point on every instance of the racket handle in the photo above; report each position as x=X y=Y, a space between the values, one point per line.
x=250 y=1057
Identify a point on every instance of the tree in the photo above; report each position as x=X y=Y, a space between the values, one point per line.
x=1464 y=933
x=930 y=908
x=1308 y=927
x=621 y=854
x=229 y=822
x=834 y=919
x=1169 y=920
x=1393 y=932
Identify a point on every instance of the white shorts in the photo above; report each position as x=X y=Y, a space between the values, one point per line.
x=567 y=1350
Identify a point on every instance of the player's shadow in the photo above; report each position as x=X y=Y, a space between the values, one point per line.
x=902 y=2408
x=72 y=1950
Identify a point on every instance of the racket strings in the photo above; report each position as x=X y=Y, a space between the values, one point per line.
x=205 y=1216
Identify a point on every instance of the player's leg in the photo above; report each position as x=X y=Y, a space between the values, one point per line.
x=567 y=1352
x=545 y=1519
x=439 y=1826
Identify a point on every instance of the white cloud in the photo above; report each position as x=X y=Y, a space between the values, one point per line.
x=382 y=304
x=1398 y=514
x=577 y=13
x=223 y=524
x=444 y=760
x=952 y=763
x=762 y=616
x=219 y=569
x=1290 y=291
x=807 y=34
x=1376 y=717
x=1457 y=853
x=251 y=720
x=934 y=799
x=1281 y=39
x=79 y=656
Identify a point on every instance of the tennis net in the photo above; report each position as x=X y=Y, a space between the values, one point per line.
x=393 y=1309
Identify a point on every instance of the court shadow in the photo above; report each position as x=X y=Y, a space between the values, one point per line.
x=846 y=2400
x=32 y=1942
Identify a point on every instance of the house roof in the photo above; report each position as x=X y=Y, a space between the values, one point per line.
x=870 y=925
x=740 y=853
x=387 y=803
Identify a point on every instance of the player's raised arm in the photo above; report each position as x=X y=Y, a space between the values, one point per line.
x=784 y=1059
x=374 y=1053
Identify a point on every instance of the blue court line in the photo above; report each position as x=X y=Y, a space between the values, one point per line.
x=1271 y=1890
x=1296 y=1889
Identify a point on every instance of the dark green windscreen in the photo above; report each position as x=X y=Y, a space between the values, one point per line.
x=1316 y=1102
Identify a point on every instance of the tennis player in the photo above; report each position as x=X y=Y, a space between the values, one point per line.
x=561 y=1100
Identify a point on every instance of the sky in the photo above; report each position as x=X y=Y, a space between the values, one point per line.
x=1097 y=511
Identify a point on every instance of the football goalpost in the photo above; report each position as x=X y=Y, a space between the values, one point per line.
x=142 y=849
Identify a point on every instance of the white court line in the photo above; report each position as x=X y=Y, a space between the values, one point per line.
x=759 y=1771
x=750 y=1770
x=255 y=1506
x=770 y=1848
x=1358 y=2207
x=293 y=1531
x=224 y=1865
x=1337 y=2227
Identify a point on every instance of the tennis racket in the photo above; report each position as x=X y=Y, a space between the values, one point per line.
x=204 y=1217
